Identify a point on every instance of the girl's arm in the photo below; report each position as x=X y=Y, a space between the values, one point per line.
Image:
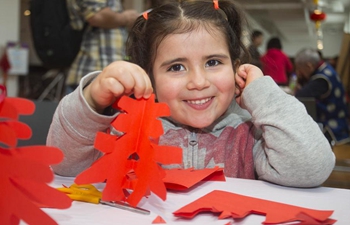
x=291 y=149
x=73 y=130
x=79 y=116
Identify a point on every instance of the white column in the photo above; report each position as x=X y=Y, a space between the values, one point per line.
x=9 y=31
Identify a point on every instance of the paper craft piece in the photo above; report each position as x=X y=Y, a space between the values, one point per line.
x=24 y=175
x=25 y=171
x=182 y=179
x=239 y=206
x=130 y=163
x=10 y=128
x=158 y=220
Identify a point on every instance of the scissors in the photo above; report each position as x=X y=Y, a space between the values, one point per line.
x=89 y=193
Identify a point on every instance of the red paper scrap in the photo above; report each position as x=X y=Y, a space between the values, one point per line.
x=10 y=128
x=23 y=180
x=25 y=171
x=182 y=179
x=239 y=206
x=131 y=161
x=158 y=220
x=307 y=220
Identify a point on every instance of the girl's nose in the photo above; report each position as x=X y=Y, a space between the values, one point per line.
x=197 y=79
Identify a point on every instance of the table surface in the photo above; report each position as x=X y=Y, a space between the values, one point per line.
x=320 y=198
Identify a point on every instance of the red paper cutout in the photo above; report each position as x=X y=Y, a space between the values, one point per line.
x=180 y=179
x=25 y=171
x=10 y=128
x=307 y=220
x=239 y=206
x=158 y=220
x=131 y=162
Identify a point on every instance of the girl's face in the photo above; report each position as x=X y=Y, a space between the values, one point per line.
x=193 y=74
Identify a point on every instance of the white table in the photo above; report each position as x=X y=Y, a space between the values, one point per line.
x=320 y=198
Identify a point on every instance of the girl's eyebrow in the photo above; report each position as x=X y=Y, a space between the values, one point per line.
x=169 y=62
x=223 y=56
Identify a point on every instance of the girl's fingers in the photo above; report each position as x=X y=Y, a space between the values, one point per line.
x=242 y=72
x=117 y=79
x=240 y=82
x=143 y=87
x=133 y=80
x=249 y=73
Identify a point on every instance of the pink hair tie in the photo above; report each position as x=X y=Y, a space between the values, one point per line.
x=216 y=4
x=145 y=15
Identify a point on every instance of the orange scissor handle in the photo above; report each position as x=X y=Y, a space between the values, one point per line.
x=85 y=193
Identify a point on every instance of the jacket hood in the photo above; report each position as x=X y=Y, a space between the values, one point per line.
x=234 y=116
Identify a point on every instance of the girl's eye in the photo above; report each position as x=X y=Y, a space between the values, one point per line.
x=177 y=67
x=213 y=62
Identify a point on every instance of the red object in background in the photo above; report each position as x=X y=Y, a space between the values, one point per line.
x=5 y=66
x=317 y=15
x=5 y=63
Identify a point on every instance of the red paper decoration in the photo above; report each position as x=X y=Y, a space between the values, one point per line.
x=25 y=171
x=317 y=15
x=132 y=161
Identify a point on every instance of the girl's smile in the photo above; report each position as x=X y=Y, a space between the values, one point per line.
x=200 y=104
x=194 y=75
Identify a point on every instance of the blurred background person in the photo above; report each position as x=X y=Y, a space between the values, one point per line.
x=319 y=80
x=276 y=63
x=104 y=37
x=334 y=61
x=257 y=39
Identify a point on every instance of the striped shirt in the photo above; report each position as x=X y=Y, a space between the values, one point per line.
x=100 y=46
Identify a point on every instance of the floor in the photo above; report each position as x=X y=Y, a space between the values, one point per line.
x=340 y=177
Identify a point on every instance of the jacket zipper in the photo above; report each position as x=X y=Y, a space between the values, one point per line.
x=193 y=142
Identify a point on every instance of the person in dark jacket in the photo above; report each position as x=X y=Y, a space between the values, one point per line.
x=319 y=80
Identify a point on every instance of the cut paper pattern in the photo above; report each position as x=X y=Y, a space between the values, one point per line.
x=25 y=171
x=183 y=179
x=158 y=220
x=130 y=164
x=239 y=206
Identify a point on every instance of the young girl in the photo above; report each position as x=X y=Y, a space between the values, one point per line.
x=222 y=113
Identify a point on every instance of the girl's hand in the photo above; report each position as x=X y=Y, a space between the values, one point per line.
x=117 y=79
x=246 y=74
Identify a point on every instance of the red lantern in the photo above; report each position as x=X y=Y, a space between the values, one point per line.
x=317 y=15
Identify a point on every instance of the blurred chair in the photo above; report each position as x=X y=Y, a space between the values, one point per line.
x=55 y=89
x=39 y=122
x=310 y=105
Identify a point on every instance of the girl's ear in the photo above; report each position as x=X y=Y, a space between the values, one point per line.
x=236 y=65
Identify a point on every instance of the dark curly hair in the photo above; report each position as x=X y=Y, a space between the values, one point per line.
x=274 y=42
x=176 y=17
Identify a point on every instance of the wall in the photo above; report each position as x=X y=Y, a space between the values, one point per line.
x=331 y=42
x=9 y=31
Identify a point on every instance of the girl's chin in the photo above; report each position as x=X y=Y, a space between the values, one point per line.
x=199 y=124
